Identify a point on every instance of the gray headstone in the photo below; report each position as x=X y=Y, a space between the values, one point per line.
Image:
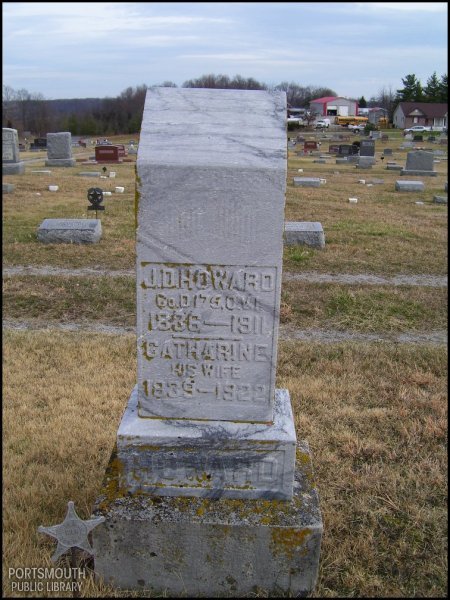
x=70 y=231
x=205 y=419
x=304 y=233
x=90 y=173
x=11 y=163
x=419 y=162
x=59 y=150
x=367 y=148
x=8 y=188
x=306 y=181
x=209 y=235
x=366 y=162
x=387 y=152
x=409 y=186
x=440 y=199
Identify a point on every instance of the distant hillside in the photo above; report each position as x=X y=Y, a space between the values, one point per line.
x=74 y=106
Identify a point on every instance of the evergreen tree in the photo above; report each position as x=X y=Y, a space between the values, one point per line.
x=443 y=89
x=412 y=90
x=432 y=90
x=362 y=102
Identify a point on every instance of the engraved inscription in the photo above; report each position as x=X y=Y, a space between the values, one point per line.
x=208 y=469
x=7 y=153
x=206 y=333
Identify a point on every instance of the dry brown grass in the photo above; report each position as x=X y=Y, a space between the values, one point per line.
x=385 y=233
x=374 y=416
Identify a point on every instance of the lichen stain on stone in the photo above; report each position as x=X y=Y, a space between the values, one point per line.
x=111 y=488
x=288 y=540
x=304 y=458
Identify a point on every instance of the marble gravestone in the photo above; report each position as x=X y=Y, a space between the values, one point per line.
x=11 y=163
x=59 y=150
x=419 y=162
x=207 y=444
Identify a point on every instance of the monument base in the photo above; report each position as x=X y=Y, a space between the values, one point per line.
x=13 y=168
x=207 y=459
x=60 y=162
x=198 y=547
x=413 y=173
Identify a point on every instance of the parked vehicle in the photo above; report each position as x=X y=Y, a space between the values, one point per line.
x=322 y=123
x=417 y=129
x=356 y=128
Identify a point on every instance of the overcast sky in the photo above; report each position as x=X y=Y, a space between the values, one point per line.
x=97 y=49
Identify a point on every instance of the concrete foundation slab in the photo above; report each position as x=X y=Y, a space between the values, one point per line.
x=197 y=547
x=304 y=233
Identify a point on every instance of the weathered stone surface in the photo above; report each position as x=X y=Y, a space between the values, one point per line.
x=342 y=161
x=409 y=186
x=440 y=199
x=208 y=459
x=10 y=145
x=419 y=162
x=367 y=148
x=366 y=161
x=11 y=163
x=304 y=233
x=59 y=145
x=13 y=168
x=90 y=173
x=306 y=181
x=60 y=162
x=209 y=250
x=8 y=188
x=394 y=167
x=197 y=547
x=69 y=231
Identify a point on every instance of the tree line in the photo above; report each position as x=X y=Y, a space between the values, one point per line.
x=27 y=111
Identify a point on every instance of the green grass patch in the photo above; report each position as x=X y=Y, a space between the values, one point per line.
x=365 y=308
x=64 y=298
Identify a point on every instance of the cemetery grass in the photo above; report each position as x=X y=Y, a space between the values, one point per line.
x=385 y=233
x=374 y=416
x=112 y=300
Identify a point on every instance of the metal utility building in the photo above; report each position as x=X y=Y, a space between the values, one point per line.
x=332 y=106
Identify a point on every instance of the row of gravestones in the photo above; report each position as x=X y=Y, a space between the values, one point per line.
x=59 y=152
